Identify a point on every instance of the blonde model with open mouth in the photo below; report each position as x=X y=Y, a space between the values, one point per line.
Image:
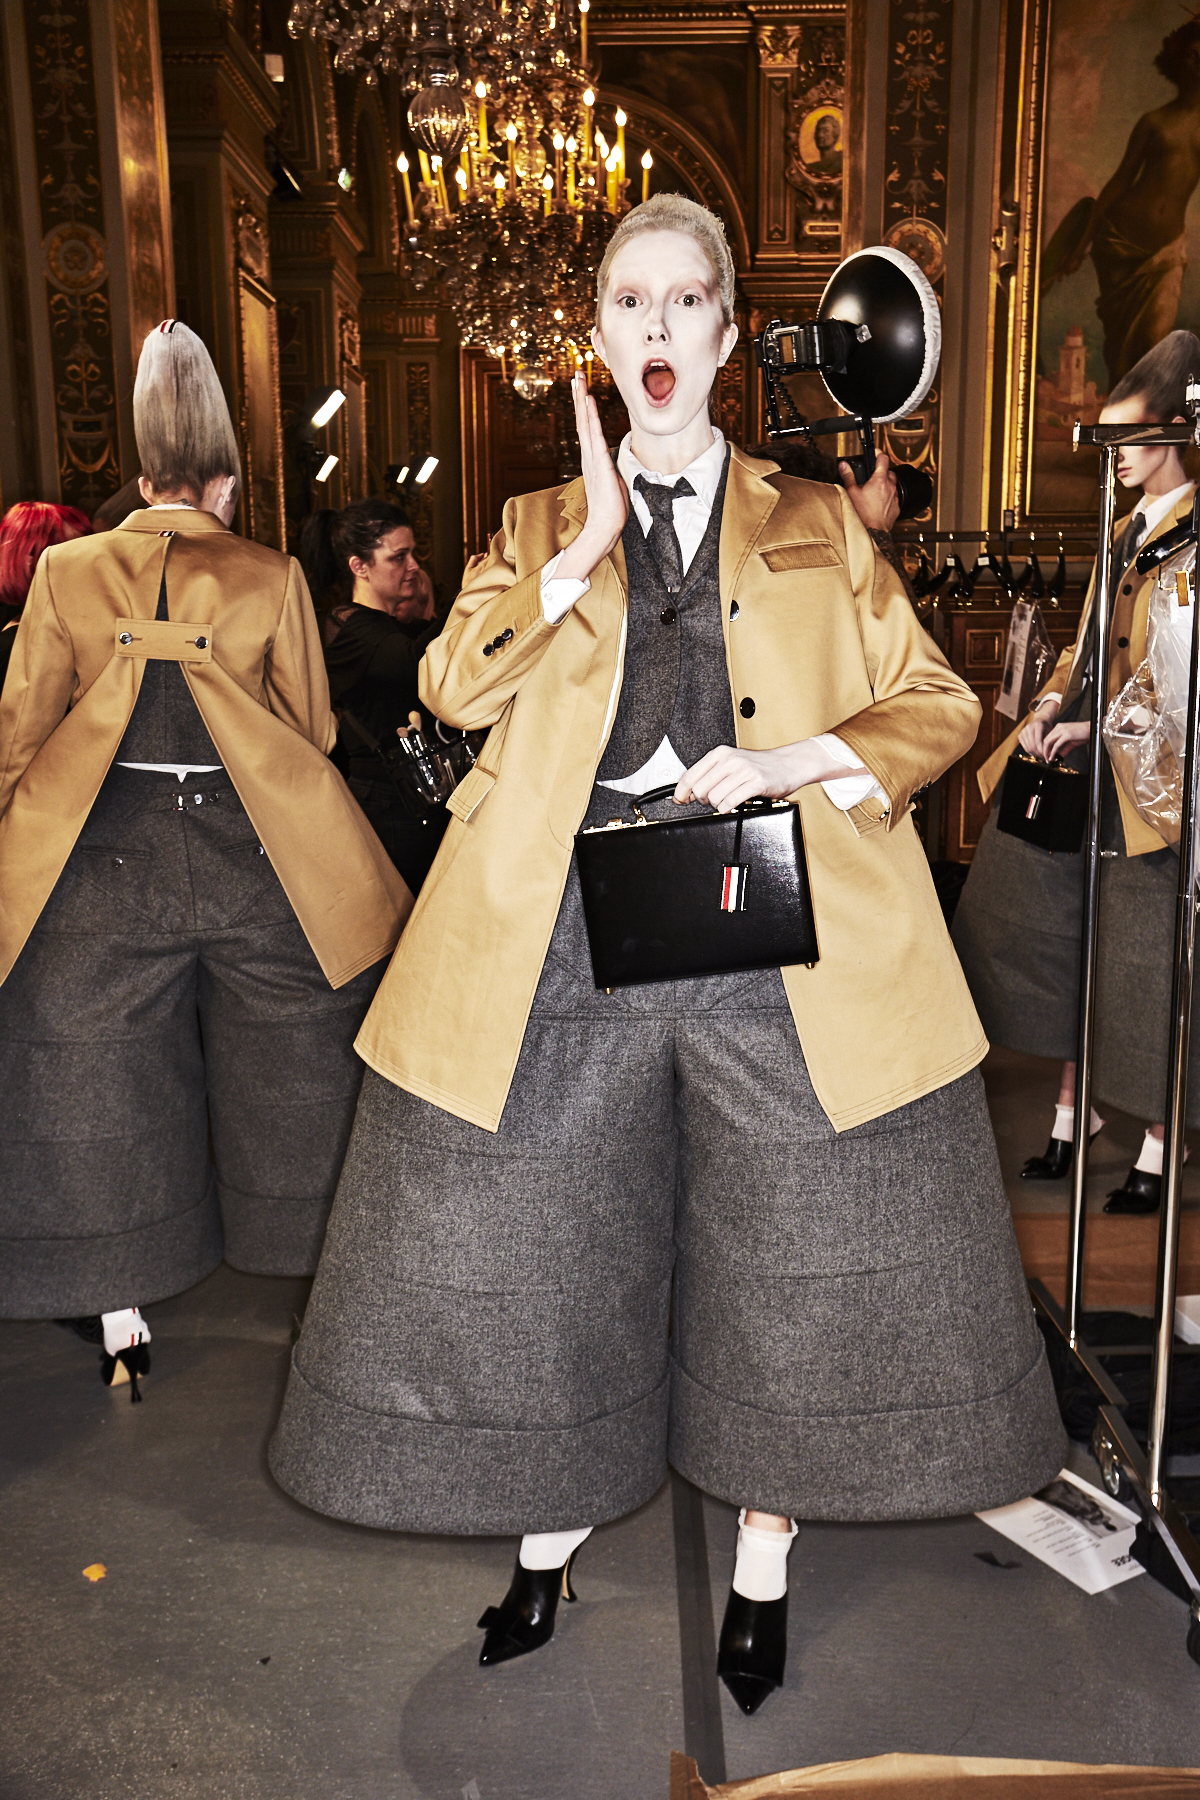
x=751 y=1224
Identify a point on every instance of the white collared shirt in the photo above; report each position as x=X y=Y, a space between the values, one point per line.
x=692 y=513
x=1157 y=508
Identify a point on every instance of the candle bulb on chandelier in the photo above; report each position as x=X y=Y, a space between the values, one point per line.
x=584 y=9
x=587 y=358
x=647 y=165
x=481 y=96
x=426 y=177
x=510 y=133
x=402 y=165
x=460 y=176
x=559 y=142
x=548 y=188
x=621 y=123
x=611 y=166
x=571 y=149
x=440 y=194
x=589 y=100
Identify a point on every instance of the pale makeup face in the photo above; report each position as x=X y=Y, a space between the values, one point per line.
x=1155 y=468
x=661 y=333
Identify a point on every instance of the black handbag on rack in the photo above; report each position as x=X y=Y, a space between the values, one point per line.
x=1045 y=804
x=696 y=896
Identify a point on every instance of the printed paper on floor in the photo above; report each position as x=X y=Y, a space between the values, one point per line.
x=1074 y=1529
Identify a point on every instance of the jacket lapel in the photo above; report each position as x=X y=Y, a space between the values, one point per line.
x=749 y=502
x=1169 y=520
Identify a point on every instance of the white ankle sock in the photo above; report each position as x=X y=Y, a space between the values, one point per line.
x=1150 y=1156
x=760 y=1570
x=550 y=1549
x=124 y=1329
x=1064 y=1123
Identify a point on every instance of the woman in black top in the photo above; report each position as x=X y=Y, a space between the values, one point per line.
x=374 y=645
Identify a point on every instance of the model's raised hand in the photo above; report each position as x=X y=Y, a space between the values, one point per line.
x=607 y=495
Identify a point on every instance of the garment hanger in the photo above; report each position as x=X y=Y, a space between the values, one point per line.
x=1057 y=585
x=926 y=581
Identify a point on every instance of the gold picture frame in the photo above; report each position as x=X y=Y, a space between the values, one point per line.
x=1072 y=308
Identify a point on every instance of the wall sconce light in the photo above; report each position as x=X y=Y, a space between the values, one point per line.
x=425 y=471
x=326 y=469
x=333 y=398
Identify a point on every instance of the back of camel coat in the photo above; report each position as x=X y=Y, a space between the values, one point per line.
x=259 y=684
x=822 y=638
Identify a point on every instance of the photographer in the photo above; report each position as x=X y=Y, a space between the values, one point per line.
x=375 y=642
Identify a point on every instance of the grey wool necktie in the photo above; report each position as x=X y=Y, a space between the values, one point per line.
x=662 y=536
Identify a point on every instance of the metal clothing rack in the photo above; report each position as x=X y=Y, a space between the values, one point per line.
x=1124 y=1468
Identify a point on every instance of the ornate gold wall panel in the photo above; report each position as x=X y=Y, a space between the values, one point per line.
x=62 y=78
x=219 y=108
x=18 y=451
x=915 y=187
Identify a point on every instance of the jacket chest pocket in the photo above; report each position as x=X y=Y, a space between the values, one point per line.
x=788 y=559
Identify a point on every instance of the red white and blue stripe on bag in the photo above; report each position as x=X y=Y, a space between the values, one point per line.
x=733 y=887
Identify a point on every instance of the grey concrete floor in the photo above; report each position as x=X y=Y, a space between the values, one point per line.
x=242 y=1648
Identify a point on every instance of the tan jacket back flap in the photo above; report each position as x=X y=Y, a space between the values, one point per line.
x=825 y=639
x=1126 y=649
x=263 y=696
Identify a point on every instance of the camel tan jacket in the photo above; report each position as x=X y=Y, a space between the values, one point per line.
x=260 y=685
x=824 y=640
x=1126 y=650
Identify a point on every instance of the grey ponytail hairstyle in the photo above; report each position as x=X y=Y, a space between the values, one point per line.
x=180 y=418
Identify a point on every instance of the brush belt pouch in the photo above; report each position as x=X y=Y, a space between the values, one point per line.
x=1044 y=804
x=698 y=896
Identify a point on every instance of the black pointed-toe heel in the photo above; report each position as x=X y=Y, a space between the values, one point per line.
x=753 y=1649
x=126 y=1366
x=524 y=1619
x=1053 y=1165
x=1056 y=1163
x=1141 y=1194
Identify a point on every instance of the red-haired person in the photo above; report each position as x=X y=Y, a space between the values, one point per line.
x=25 y=531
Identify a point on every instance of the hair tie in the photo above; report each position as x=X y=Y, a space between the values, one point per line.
x=168 y=326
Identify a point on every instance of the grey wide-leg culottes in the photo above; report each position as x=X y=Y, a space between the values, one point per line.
x=1016 y=930
x=167 y=1001
x=665 y=1252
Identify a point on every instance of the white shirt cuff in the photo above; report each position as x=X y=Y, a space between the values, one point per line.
x=559 y=596
x=848 y=790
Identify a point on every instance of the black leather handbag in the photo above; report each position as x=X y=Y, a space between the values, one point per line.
x=696 y=896
x=1044 y=803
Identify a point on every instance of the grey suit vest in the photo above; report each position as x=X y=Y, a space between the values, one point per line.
x=676 y=683
x=165 y=725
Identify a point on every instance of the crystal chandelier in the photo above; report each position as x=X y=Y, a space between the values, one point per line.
x=518 y=188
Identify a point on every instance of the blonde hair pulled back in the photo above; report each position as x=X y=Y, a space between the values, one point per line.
x=181 y=420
